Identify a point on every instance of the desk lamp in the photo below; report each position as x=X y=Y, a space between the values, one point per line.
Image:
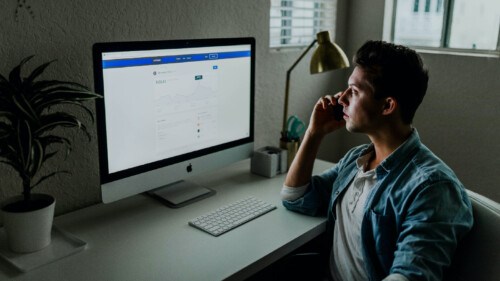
x=327 y=56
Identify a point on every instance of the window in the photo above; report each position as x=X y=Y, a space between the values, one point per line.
x=296 y=22
x=459 y=24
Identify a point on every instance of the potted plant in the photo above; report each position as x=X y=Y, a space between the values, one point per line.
x=30 y=110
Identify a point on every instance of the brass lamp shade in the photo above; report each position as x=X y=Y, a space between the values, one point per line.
x=327 y=56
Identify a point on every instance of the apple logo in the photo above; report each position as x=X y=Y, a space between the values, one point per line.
x=189 y=168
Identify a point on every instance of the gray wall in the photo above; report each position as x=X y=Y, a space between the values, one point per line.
x=459 y=117
x=456 y=120
x=66 y=30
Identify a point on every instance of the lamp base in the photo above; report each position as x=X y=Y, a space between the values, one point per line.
x=291 y=147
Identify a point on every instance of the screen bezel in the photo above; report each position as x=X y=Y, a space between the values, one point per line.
x=100 y=48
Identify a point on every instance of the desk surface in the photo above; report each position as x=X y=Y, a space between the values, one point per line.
x=139 y=238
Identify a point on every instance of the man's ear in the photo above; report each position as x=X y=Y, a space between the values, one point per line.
x=390 y=105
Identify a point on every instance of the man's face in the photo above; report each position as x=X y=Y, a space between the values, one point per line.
x=362 y=112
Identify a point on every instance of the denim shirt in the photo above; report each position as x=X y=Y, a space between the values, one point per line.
x=413 y=217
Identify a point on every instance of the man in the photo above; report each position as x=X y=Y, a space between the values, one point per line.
x=395 y=211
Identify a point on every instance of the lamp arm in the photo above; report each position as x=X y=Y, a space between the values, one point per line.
x=287 y=89
x=301 y=56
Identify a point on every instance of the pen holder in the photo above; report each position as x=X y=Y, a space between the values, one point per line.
x=291 y=147
x=269 y=161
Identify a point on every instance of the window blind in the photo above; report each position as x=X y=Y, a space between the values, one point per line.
x=296 y=22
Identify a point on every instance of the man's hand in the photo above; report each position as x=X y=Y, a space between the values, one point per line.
x=322 y=122
x=322 y=118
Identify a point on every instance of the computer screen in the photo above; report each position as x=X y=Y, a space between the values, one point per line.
x=171 y=109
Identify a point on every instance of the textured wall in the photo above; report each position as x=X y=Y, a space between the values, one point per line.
x=66 y=30
x=458 y=119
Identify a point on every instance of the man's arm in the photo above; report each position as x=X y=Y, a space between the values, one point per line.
x=300 y=171
x=322 y=123
x=439 y=217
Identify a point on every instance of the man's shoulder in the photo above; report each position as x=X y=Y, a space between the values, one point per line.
x=424 y=163
x=430 y=166
x=424 y=175
x=422 y=172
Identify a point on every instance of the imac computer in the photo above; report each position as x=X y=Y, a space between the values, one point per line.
x=171 y=110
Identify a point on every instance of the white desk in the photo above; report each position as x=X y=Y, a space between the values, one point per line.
x=138 y=238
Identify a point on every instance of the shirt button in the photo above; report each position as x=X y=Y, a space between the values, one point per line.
x=337 y=192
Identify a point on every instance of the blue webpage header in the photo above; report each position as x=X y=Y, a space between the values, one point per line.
x=173 y=59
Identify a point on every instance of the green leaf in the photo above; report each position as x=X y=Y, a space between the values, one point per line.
x=42 y=179
x=25 y=107
x=46 y=99
x=46 y=84
x=67 y=93
x=51 y=139
x=7 y=162
x=24 y=141
x=39 y=70
x=15 y=74
x=78 y=104
x=49 y=155
x=13 y=160
x=5 y=101
x=6 y=114
x=59 y=119
x=5 y=128
x=3 y=80
x=37 y=155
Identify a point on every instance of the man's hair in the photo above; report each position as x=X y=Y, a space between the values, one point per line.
x=397 y=72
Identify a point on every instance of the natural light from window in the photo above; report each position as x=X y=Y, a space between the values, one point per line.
x=461 y=24
x=296 y=22
x=475 y=24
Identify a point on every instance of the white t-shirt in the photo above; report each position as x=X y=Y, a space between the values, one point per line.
x=346 y=259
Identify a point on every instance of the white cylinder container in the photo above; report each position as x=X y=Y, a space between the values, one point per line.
x=29 y=231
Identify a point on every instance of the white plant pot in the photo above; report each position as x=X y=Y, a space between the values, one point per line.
x=29 y=231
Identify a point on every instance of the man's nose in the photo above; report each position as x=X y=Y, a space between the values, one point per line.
x=343 y=100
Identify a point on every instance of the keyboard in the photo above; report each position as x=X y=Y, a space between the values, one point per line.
x=231 y=216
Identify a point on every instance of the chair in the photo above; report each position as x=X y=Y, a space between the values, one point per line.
x=478 y=254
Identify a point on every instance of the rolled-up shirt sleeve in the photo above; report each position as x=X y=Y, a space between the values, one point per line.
x=314 y=201
x=293 y=193
x=396 y=277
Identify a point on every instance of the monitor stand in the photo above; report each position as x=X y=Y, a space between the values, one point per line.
x=181 y=193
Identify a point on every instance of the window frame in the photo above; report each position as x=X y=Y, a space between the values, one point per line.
x=331 y=27
x=389 y=29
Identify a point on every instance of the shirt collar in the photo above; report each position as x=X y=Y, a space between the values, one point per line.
x=363 y=160
x=398 y=155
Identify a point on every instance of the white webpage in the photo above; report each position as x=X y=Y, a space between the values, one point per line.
x=164 y=109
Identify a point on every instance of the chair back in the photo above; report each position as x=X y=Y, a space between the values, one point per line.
x=478 y=254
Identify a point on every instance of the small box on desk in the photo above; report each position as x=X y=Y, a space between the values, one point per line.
x=269 y=161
